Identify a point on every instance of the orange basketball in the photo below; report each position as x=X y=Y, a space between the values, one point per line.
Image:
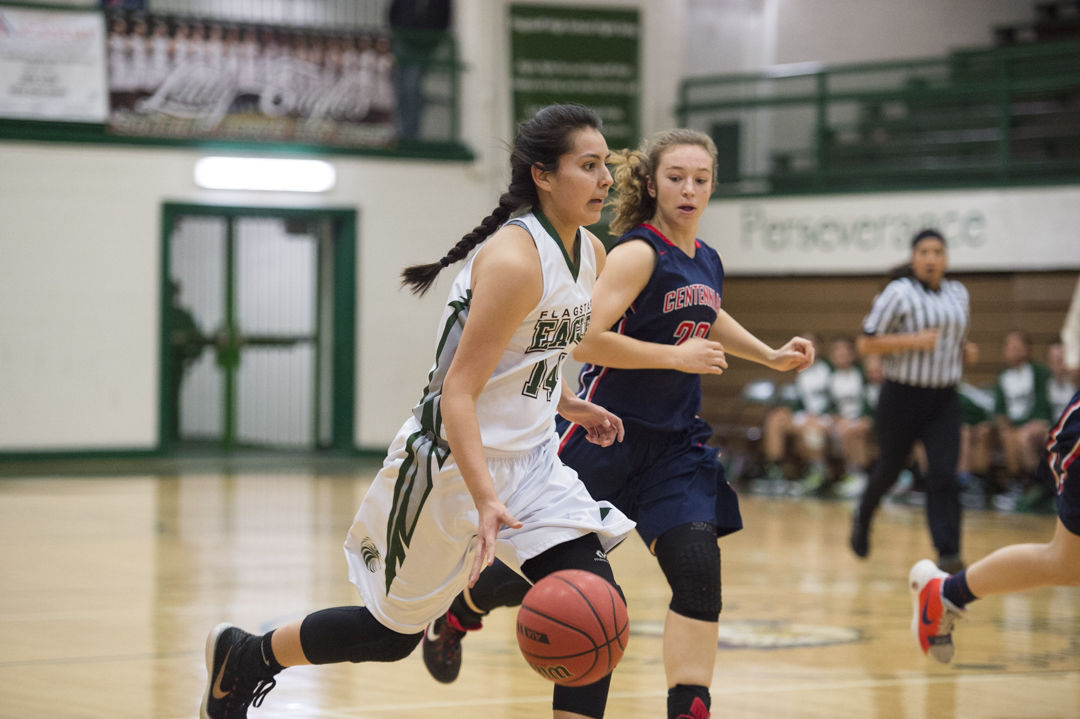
x=572 y=627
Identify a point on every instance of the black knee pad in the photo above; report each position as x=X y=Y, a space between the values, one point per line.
x=690 y=559
x=352 y=634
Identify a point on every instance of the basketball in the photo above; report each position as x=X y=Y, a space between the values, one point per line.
x=572 y=627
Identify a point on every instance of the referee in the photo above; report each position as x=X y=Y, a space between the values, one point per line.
x=919 y=323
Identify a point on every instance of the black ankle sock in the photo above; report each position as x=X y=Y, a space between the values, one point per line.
x=261 y=656
x=681 y=698
x=955 y=589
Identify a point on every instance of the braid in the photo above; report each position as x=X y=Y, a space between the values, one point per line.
x=419 y=278
x=632 y=202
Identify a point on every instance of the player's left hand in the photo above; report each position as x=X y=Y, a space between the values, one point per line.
x=601 y=427
x=796 y=354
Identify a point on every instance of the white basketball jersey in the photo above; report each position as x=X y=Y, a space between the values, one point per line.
x=516 y=409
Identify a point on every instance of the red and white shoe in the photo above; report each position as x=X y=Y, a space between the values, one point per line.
x=442 y=647
x=933 y=616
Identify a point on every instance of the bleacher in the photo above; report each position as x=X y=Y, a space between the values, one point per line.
x=956 y=126
x=1054 y=20
x=1006 y=112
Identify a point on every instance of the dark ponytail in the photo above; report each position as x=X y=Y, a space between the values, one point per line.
x=540 y=141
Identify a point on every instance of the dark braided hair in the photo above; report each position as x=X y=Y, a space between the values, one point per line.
x=539 y=142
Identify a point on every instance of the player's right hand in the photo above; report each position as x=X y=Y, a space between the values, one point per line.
x=493 y=516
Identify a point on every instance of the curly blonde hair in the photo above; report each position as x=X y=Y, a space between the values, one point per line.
x=632 y=169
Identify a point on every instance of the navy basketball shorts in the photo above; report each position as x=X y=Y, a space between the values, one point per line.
x=661 y=480
x=1059 y=466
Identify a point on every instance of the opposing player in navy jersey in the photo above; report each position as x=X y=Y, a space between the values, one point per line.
x=657 y=326
x=939 y=598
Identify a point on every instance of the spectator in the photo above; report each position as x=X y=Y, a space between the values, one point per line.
x=1061 y=386
x=801 y=415
x=976 y=443
x=419 y=27
x=850 y=415
x=1022 y=417
x=875 y=377
x=186 y=343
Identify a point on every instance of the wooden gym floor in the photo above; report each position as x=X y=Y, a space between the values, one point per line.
x=110 y=584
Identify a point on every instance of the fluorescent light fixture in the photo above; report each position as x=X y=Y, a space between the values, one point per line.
x=254 y=173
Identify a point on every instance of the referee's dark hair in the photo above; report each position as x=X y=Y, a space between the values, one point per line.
x=925 y=234
x=900 y=271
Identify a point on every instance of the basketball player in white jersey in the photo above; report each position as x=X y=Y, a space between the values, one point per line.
x=475 y=470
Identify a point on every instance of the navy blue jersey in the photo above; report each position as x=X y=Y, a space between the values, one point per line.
x=680 y=301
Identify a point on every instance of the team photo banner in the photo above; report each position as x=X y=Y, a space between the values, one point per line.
x=52 y=65
x=987 y=230
x=186 y=77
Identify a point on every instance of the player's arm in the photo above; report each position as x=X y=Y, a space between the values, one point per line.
x=599 y=251
x=628 y=269
x=797 y=353
x=601 y=426
x=884 y=344
x=506 y=284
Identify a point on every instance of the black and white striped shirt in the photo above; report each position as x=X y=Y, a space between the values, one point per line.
x=906 y=305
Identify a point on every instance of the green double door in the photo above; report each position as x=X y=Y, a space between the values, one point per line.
x=258 y=328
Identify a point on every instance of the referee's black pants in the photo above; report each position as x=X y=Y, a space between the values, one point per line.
x=904 y=414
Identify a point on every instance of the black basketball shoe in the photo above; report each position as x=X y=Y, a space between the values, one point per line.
x=860 y=536
x=230 y=690
x=442 y=647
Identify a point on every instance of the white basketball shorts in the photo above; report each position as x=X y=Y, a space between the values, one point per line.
x=413 y=540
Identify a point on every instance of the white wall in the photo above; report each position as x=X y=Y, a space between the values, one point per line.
x=730 y=36
x=1017 y=229
x=844 y=31
x=79 y=284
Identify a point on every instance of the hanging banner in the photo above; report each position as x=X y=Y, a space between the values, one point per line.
x=52 y=65
x=986 y=230
x=563 y=54
x=185 y=77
